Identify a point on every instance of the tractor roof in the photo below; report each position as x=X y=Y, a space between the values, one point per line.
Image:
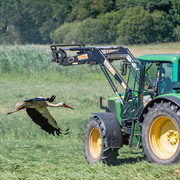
x=160 y=57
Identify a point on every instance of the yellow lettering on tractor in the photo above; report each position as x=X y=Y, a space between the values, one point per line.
x=110 y=68
x=123 y=85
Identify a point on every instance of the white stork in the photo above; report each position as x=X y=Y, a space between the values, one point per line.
x=38 y=112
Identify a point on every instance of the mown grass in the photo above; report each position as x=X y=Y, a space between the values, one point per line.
x=84 y=97
x=65 y=160
x=27 y=152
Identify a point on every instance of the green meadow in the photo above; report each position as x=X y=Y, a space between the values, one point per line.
x=29 y=153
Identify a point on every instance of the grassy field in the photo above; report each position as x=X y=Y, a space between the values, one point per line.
x=27 y=152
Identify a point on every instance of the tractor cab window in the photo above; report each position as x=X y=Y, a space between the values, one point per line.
x=158 y=78
x=165 y=78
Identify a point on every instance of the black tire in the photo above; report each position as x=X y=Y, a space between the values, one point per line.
x=94 y=143
x=160 y=133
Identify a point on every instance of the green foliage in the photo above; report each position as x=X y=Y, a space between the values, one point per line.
x=111 y=21
x=175 y=12
x=90 y=21
x=59 y=34
x=135 y=27
x=31 y=62
x=75 y=34
x=161 y=5
x=90 y=31
x=90 y=8
x=33 y=20
x=130 y=4
x=139 y=26
x=163 y=28
x=131 y=25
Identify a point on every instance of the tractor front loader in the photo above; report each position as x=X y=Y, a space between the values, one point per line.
x=146 y=115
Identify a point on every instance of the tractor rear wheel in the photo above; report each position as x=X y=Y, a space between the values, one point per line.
x=160 y=134
x=94 y=143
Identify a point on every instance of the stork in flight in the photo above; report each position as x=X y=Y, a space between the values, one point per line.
x=38 y=112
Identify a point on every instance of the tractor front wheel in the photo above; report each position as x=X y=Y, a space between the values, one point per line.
x=160 y=134
x=94 y=143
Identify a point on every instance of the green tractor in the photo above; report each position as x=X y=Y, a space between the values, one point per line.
x=146 y=115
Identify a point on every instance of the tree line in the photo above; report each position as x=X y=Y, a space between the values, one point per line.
x=89 y=21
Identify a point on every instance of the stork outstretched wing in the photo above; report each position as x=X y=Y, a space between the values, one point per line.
x=43 y=118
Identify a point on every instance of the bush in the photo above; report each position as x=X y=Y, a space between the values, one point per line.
x=58 y=36
x=140 y=26
x=89 y=31
x=75 y=34
x=163 y=29
x=111 y=20
x=102 y=30
x=135 y=27
x=128 y=26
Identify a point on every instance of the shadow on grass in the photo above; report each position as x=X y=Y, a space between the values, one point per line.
x=130 y=160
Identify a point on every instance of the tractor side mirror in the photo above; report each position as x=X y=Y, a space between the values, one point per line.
x=123 y=68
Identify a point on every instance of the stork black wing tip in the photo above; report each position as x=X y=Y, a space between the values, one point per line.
x=58 y=132
x=67 y=129
x=51 y=99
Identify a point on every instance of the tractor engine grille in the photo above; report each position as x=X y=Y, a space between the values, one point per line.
x=112 y=107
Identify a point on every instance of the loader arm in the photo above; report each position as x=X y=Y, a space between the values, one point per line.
x=89 y=55
x=94 y=55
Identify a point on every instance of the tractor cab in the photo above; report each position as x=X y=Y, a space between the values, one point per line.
x=147 y=79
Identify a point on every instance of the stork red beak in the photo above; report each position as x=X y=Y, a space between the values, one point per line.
x=68 y=107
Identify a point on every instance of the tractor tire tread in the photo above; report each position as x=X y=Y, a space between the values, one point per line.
x=108 y=155
x=159 y=108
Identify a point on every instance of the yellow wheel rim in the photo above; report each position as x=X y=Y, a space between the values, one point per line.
x=95 y=142
x=164 y=137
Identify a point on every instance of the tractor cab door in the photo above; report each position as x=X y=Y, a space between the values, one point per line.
x=134 y=93
x=165 y=78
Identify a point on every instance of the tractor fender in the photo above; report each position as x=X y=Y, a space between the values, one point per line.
x=112 y=129
x=172 y=99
